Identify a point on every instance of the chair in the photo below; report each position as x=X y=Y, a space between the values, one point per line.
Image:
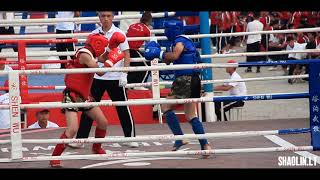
x=235 y=112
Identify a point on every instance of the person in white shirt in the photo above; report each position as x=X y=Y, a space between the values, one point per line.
x=65 y=28
x=4 y=113
x=253 y=41
x=295 y=69
x=43 y=120
x=234 y=88
x=7 y=30
x=112 y=82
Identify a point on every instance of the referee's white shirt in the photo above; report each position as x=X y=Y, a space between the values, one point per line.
x=123 y=46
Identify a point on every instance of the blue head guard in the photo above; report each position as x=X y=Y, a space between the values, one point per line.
x=173 y=28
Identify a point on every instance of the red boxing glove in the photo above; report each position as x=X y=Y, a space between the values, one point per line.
x=116 y=39
x=114 y=56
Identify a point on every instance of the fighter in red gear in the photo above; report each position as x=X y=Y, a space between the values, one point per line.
x=78 y=90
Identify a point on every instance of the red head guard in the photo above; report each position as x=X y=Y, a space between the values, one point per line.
x=97 y=43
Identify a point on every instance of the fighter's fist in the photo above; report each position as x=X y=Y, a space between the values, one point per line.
x=114 y=56
x=116 y=39
x=153 y=50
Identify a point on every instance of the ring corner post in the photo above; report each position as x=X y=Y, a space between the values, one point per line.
x=15 y=116
x=207 y=73
x=314 y=103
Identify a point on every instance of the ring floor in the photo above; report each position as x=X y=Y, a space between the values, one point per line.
x=237 y=160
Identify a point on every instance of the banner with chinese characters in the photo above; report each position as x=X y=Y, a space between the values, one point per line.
x=314 y=101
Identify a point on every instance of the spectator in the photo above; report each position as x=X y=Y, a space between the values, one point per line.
x=253 y=41
x=140 y=29
x=293 y=45
x=43 y=120
x=4 y=113
x=312 y=44
x=66 y=28
x=277 y=42
x=112 y=82
x=214 y=20
x=7 y=30
x=234 y=88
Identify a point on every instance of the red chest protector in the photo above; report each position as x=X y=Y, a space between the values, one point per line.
x=81 y=82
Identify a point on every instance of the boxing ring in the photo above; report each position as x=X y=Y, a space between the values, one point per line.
x=256 y=139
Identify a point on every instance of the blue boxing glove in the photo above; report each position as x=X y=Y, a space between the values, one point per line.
x=153 y=50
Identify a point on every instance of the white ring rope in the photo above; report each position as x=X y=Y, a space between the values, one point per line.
x=165 y=153
x=148 y=138
x=123 y=69
x=78 y=20
x=48 y=36
x=52 y=53
x=198 y=35
x=132 y=102
x=131 y=85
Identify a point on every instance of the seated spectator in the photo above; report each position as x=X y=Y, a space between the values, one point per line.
x=5 y=113
x=293 y=45
x=43 y=120
x=234 y=88
x=277 y=42
x=140 y=29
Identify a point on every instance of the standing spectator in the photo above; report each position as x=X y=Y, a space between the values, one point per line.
x=234 y=88
x=66 y=28
x=214 y=20
x=296 y=19
x=187 y=82
x=112 y=82
x=253 y=41
x=43 y=122
x=5 y=113
x=140 y=29
x=284 y=18
x=7 y=30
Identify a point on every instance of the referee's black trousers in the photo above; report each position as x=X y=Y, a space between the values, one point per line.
x=115 y=93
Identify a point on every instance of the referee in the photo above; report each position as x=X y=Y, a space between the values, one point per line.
x=112 y=82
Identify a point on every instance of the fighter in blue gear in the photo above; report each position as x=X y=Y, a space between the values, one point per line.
x=187 y=83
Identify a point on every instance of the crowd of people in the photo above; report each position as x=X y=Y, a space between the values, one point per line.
x=235 y=21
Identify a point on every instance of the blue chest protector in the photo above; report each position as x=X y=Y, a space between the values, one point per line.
x=189 y=56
